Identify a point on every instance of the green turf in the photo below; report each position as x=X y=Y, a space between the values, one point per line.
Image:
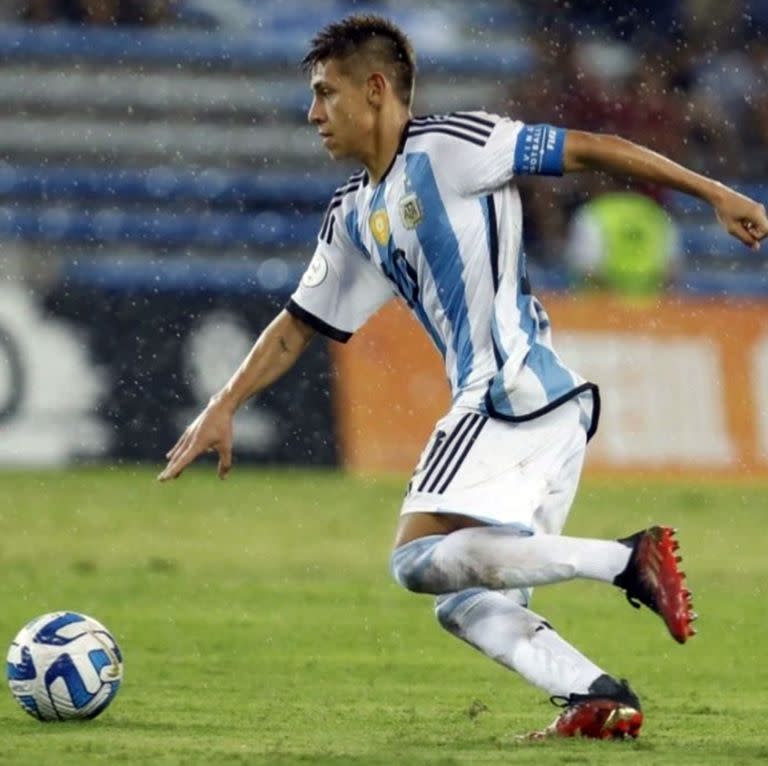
x=259 y=625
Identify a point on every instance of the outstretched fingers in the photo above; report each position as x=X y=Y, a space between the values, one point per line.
x=178 y=461
x=179 y=446
x=225 y=460
x=211 y=431
x=190 y=449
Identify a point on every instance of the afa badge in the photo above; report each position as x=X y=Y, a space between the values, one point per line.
x=410 y=211
x=379 y=223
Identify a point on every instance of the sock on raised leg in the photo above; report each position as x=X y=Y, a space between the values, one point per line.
x=502 y=558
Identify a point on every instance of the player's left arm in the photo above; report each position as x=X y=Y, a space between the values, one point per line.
x=740 y=216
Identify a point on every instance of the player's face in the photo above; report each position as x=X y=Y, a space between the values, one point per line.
x=340 y=111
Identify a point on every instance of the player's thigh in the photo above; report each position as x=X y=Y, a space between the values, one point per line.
x=496 y=472
x=412 y=526
x=551 y=515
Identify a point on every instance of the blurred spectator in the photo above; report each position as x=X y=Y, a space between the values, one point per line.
x=12 y=10
x=98 y=12
x=625 y=242
x=615 y=89
x=606 y=87
x=683 y=77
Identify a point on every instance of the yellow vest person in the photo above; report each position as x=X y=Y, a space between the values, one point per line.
x=625 y=242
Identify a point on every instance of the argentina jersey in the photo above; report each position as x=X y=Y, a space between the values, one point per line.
x=442 y=230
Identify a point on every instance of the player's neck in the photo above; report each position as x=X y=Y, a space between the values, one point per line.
x=384 y=146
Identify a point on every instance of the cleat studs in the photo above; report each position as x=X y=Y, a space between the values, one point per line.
x=678 y=559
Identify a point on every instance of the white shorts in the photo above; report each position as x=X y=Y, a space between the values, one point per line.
x=500 y=472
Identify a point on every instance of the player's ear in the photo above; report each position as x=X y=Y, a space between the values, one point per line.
x=377 y=87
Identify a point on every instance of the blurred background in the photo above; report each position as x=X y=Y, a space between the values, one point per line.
x=160 y=193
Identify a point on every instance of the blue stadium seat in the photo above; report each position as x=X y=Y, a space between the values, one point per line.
x=166 y=184
x=132 y=45
x=723 y=284
x=209 y=275
x=68 y=226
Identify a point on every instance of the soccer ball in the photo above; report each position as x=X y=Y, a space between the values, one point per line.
x=64 y=666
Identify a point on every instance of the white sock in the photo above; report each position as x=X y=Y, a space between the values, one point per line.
x=500 y=558
x=518 y=639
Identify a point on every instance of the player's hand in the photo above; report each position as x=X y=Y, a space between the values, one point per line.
x=210 y=431
x=742 y=217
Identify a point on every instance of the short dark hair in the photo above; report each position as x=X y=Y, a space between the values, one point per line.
x=372 y=36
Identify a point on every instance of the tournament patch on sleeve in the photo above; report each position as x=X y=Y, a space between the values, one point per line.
x=539 y=151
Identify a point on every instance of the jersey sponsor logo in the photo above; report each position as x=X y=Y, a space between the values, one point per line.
x=316 y=272
x=379 y=223
x=410 y=211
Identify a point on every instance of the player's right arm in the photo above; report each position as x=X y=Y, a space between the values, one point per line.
x=339 y=291
x=273 y=354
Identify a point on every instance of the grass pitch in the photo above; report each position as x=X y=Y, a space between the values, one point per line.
x=259 y=625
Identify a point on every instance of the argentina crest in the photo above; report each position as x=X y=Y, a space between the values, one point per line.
x=410 y=211
x=379 y=223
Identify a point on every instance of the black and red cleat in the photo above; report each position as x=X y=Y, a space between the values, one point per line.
x=597 y=717
x=652 y=577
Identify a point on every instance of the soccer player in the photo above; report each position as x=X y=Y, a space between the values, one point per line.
x=434 y=218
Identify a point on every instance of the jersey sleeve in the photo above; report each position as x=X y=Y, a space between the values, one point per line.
x=508 y=149
x=340 y=288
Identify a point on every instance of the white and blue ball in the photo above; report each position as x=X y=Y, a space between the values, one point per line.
x=64 y=666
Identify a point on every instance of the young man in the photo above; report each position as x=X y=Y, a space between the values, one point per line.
x=435 y=218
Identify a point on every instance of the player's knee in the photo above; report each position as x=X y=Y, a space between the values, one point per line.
x=410 y=564
x=446 y=610
x=450 y=607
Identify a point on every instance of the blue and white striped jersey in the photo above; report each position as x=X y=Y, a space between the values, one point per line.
x=442 y=230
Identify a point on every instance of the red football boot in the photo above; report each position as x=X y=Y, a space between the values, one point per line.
x=597 y=715
x=652 y=578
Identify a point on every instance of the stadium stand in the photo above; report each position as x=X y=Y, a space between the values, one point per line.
x=138 y=145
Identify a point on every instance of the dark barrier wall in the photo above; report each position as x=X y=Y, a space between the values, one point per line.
x=162 y=353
